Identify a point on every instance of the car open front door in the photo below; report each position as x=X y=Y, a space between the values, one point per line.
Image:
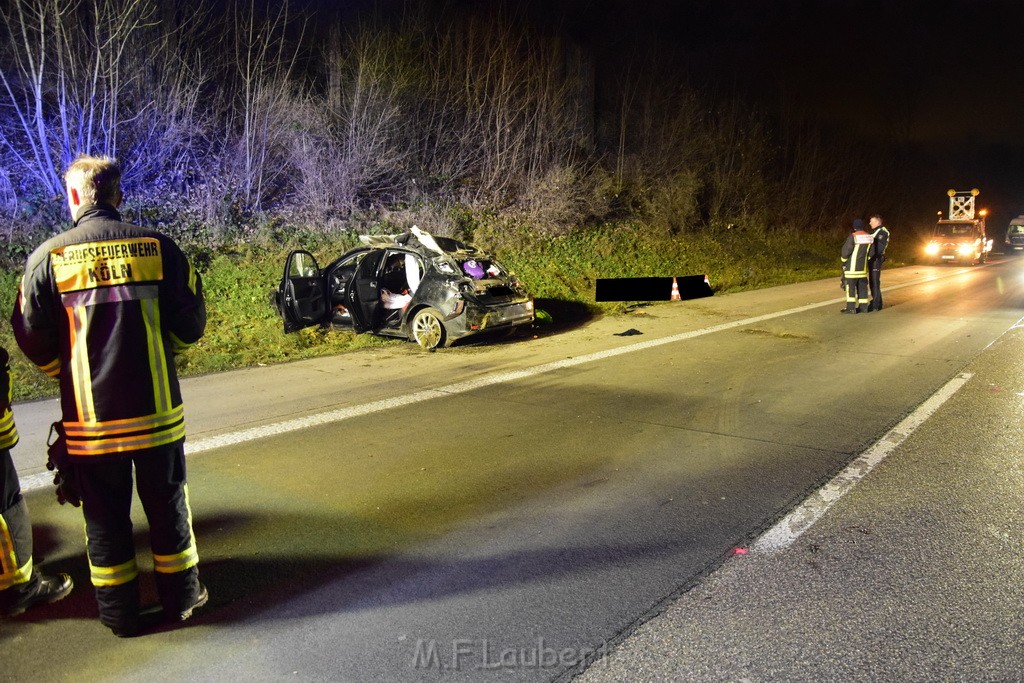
x=364 y=292
x=301 y=296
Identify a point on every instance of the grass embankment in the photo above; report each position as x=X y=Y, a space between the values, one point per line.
x=243 y=329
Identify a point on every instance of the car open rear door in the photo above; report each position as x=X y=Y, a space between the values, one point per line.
x=364 y=292
x=302 y=296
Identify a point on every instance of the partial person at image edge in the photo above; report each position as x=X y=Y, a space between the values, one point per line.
x=22 y=586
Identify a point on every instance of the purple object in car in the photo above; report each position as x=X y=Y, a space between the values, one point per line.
x=473 y=269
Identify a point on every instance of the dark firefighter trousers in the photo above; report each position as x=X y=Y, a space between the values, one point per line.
x=875 y=281
x=106 y=489
x=16 y=575
x=856 y=293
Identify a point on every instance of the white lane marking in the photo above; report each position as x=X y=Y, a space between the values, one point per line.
x=234 y=438
x=43 y=479
x=275 y=429
x=789 y=528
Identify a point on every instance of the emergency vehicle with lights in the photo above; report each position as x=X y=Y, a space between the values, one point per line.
x=961 y=237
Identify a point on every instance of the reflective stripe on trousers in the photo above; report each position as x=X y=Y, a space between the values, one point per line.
x=12 y=546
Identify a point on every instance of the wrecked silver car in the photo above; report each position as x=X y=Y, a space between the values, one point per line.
x=430 y=290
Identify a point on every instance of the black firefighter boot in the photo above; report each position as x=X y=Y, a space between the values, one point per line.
x=39 y=590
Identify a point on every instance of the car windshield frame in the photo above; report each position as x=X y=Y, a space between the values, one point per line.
x=955 y=230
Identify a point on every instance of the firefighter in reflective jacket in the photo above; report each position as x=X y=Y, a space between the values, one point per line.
x=103 y=307
x=859 y=247
x=21 y=585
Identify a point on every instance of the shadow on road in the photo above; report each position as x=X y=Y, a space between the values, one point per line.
x=283 y=588
x=289 y=587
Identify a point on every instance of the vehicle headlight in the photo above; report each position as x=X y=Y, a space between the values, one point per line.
x=966 y=249
x=931 y=248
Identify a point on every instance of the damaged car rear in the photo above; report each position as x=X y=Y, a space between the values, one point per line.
x=431 y=290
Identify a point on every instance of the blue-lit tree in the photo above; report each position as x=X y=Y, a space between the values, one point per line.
x=99 y=77
x=263 y=66
x=223 y=118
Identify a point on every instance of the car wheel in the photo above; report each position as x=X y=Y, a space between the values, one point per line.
x=428 y=330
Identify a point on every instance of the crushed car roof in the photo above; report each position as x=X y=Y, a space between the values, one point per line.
x=420 y=238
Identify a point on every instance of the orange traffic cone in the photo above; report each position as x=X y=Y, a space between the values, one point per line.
x=675 y=291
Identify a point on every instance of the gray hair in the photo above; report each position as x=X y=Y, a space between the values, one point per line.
x=97 y=179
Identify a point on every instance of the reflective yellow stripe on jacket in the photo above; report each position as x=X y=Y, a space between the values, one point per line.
x=116 y=436
x=52 y=368
x=90 y=436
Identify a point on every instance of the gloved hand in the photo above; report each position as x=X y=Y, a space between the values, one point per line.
x=842 y=282
x=67 y=487
x=64 y=478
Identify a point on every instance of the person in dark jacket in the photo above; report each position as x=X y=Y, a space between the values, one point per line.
x=857 y=249
x=103 y=307
x=21 y=585
x=880 y=237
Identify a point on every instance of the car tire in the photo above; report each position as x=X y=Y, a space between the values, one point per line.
x=427 y=329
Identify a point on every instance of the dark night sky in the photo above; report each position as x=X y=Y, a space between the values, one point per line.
x=943 y=76
x=946 y=75
x=949 y=71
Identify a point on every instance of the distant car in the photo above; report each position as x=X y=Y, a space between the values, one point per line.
x=430 y=290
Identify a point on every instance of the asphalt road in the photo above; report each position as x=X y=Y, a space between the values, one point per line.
x=511 y=511
x=915 y=574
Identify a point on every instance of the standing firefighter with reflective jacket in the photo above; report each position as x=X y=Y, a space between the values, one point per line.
x=103 y=307
x=859 y=247
x=21 y=585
